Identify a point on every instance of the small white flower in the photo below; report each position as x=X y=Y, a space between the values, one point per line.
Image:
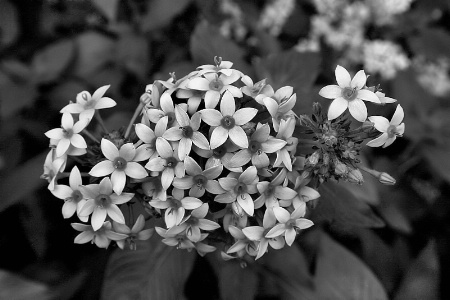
x=390 y=129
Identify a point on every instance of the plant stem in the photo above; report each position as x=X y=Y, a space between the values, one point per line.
x=100 y=121
x=89 y=135
x=135 y=115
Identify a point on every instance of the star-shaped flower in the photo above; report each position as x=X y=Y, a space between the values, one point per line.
x=228 y=122
x=68 y=135
x=102 y=202
x=120 y=163
x=52 y=166
x=87 y=104
x=349 y=93
x=390 y=130
x=102 y=237
x=136 y=233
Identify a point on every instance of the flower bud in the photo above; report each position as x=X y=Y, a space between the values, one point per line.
x=146 y=98
x=355 y=176
x=340 y=168
x=313 y=159
x=387 y=179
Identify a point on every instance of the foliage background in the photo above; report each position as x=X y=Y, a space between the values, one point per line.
x=369 y=241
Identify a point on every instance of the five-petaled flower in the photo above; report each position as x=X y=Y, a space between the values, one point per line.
x=390 y=130
x=120 y=163
x=137 y=232
x=228 y=122
x=349 y=93
x=102 y=237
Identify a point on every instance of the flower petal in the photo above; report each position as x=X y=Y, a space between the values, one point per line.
x=122 y=198
x=240 y=158
x=238 y=136
x=78 y=141
x=144 y=133
x=135 y=170
x=127 y=151
x=200 y=140
x=359 y=80
x=211 y=99
x=69 y=209
x=254 y=233
x=184 y=148
x=378 y=141
x=167 y=177
x=277 y=230
x=227 y=104
x=272 y=145
x=198 y=83
x=56 y=133
x=213 y=172
x=98 y=217
x=67 y=121
x=211 y=117
x=118 y=180
x=244 y=115
x=62 y=147
x=191 y=203
x=62 y=191
x=105 y=102
x=246 y=202
x=380 y=123
x=249 y=175
x=173 y=134
x=115 y=213
x=342 y=77
x=303 y=223
x=103 y=168
x=164 y=148
x=398 y=116
x=228 y=183
x=331 y=91
x=156 y=164
x=192 y=167
x=100 y=92
x=214 y=187
x=281 y=214
x=109 y=150
x=368 y=96
x=337 y=107
x=219 y=136
x=358 y=109
x=181 y=116
x=290 y=235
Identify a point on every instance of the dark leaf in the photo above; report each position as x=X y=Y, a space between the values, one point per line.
x=422 y=278
x=161 y=12
x=108 y=8
x=8 y=23
x=154 y=271
x=16 y=287
x=134 y=59
x=432 y=43
x=438 y=158
x=236 y=282
x=338 y=206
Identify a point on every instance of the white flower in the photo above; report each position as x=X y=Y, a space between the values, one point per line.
x=120 y=163
x=349 y=93
x=384 y=57
x=68 y=134
x=390 y=130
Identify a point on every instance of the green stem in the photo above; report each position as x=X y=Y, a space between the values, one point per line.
x=100 y=121
x=89 y=135
x=135 y=115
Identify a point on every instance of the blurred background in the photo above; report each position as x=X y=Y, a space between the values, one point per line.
x=398 y=236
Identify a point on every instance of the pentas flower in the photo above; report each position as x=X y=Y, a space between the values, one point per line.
x=231 y=217
x=153 y=188
x=349 y=93
x=102 y=237
x=52 y=167
x=215 y=85
x=176 y=206
x=178 y=240
x=194 y=223
x=239 y=189
x=285 y=132
x=102 y=202
x=258 y=234
x=228 y=122
x=274 y=191
x=72 y=196
x=167 y=111
x=198 y=180
x=68 y=134
x=242 y=243
x=258 y=90
x=87 y=104
x=289 y=224
x=137 y=232
x=390 y=130
x=120 y=163
x=149 y=137
x=260 y=144
x=304 y=193
x=219 y=156
x=280 y=105
x=168 y=163
x=187 y=133
x=221 y=66
x=384 y=99
x=194 y=98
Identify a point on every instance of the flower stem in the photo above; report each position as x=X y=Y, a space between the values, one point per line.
x=100 y=121
x=135 y=115
x=89 y=135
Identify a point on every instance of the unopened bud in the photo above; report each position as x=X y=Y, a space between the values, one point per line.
x=340 y=168
x=387 y=179
x=367 y=125
x=355 y=176
x=146 y=98
x=313 y=159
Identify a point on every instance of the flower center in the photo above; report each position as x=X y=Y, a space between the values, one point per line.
x=392 y=131
x=255 y=147
x=349 y=94
x=200 y=180
x=76 y=196
x=290 y=224
x=187 y=131
x=102 y=200
x=219 y=152
x=240 y=188
x=170 y=117
x=171 y=162
x=174 y=203
x=216 y=85
x=120 y=163
x=67 y=133
x=227 y=122
x=270 y=190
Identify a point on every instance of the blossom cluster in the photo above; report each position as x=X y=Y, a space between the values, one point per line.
x=213 y=160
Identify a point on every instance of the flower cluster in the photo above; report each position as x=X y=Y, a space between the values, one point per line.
x=213 y=160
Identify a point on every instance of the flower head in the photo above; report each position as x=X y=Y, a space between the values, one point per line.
x=137 y=232
x=390 y=130
x=102 y=237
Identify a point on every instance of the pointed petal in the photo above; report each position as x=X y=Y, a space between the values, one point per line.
x=144 y=133
x=109 y=150
x=127 y=151
x=103 y=168
x=248 y=176
x=192 y=167
x=166 y=103
x=308 y=193
x=368 y=96
x=380 y=123
x=98 y=217
x=191 y=203
x=227 y=197
x=69 y=209
x=201 y=211
x=209 y=225
x=228 y=183
x=87 y=208
x=181 y=116
x=337 y=107
x=184 y=148
x=269 y=219
x=105 y=102
x=401 y=129
x=254 y=233
x=211 y=117
x=156 y=164
x=213 y=172
x=80 y=125
x=167 y=177
x=164 y=148
x=84 y=237
x=211 y=99
x=277 y=230
x=227 y=104
x=342 y=77
x=118 y=180
x=358 y=109
x=284 y=193
x=261 y=134
x=78 y=141
x=214 y=187
x=290 y=235
x=238 y=136
x=161 y=126
x=115 y=213
x=183 y=183
x=62 y=191
x=135 y=170
x=271 y=105
x=62 y=147
x=389 y=141
x=105 y=186
x=303 y=223
x=272 y=145
x=378 y=141
x=281 y=214
x=244 y=115
x=246 y=202
x=331 y=91
x=359 y=80
x=122 y=198
x=67 y=121
x=56 y=133
x=397 y=118
x=200 y=140
x=100 y=92
x=219 y=136
x=173 y=134
x=240 y=158
x=198 y=83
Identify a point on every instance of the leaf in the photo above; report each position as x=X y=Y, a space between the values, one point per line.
x=422 y=278
x=292 y=68
x=338 y=206
x=236 y=282
x=8 y=23
x=50 y=63
x=154 y=271
x=94 y=51
x=12 y=184
x=134 y=59
x=161 y=13
x=16 y=287
x=108 y=8
x=207 y=42
x=437 y=157
x=342 y=275
x=60 y=95
x=431 y=42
